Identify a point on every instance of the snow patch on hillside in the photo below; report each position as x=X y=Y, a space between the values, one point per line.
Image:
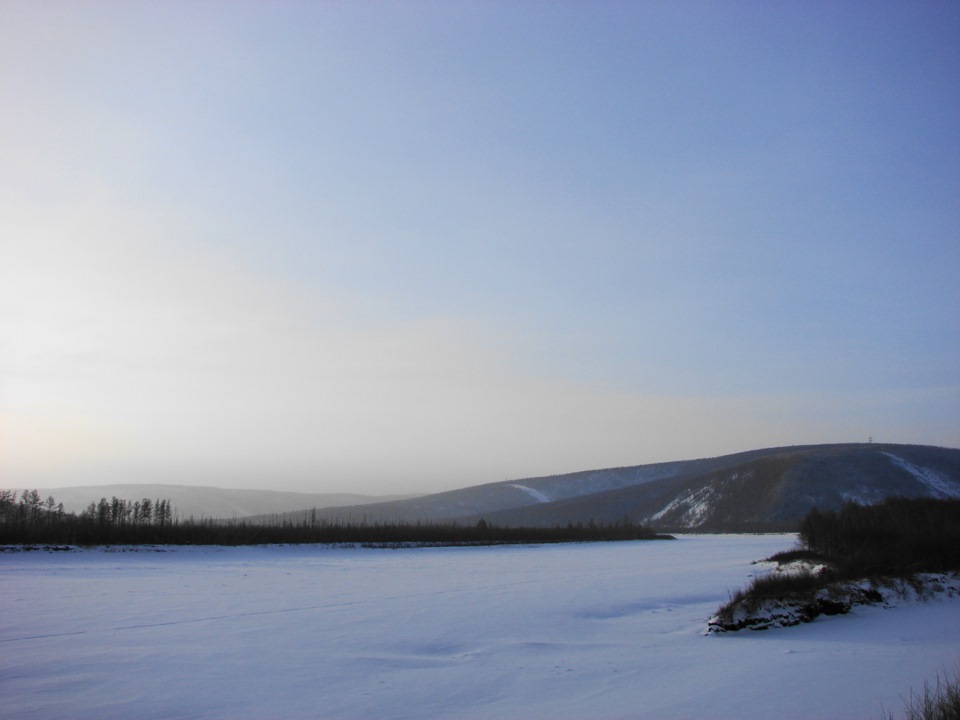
x=940 y=485
x=561 y=487
x=694 y=507
x=671 y=506
x=862 y=495
x=535 y=494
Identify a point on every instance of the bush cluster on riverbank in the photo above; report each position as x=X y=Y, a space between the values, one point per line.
x=845 y=558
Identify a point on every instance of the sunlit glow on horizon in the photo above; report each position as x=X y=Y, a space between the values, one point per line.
x=399 y=248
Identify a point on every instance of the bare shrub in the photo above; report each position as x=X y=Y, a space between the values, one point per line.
x=941 y=701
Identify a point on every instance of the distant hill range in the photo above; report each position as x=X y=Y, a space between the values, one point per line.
x=756 y=491
x=209 y=502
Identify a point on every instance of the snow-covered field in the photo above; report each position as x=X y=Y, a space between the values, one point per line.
x=604 y=630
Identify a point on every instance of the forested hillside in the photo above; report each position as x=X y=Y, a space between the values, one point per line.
x=761 y=490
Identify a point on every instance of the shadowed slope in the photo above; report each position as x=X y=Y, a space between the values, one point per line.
x=760 y=490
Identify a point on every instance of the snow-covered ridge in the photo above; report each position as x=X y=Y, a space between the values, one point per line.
x=579 y=484
x=937 y=482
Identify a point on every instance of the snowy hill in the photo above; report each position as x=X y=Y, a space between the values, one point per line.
x=770 y=489
x=507 y=495
x=760 y=490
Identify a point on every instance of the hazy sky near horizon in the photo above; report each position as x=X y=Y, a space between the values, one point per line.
x=412 y=246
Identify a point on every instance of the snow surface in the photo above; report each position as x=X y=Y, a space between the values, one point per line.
x=600 y=630
x=535 y=494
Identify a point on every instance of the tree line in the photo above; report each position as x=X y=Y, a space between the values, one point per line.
x=895 y=539
x=897 y=536
x=32 y=520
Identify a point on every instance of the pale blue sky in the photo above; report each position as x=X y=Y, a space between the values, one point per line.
x=390 y=246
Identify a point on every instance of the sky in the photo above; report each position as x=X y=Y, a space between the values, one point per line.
x=390 y=247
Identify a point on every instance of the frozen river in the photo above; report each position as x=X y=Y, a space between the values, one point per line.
x=604 y=630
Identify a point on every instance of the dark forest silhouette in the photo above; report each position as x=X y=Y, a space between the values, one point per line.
x=31 y=520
